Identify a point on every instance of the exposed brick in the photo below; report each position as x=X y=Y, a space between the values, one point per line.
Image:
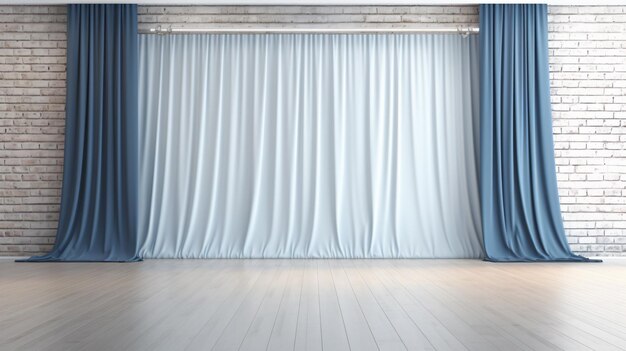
x=32 y=105
x=587 y=48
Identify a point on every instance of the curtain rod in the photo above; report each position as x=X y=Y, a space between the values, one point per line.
x=321 y=30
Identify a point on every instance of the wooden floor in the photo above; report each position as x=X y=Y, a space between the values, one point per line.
x=353 y=305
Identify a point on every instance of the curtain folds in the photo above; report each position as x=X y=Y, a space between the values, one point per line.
x=308 y=146
x=98 y=217
x=521 y=216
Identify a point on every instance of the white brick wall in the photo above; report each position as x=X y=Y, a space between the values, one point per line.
x=588 y=77
x=587 y=48
x=307 y=16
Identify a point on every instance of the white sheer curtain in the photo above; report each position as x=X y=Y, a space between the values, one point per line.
x=309 y=145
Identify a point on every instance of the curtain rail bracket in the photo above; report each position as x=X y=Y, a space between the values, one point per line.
x=160 y=30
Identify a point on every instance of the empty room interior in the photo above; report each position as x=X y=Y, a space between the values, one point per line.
x=312 y=175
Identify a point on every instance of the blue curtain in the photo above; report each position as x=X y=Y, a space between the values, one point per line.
x=98 y=218
x=521 y=216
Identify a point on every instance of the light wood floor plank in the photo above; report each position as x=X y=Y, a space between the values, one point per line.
x=239 y=324
x=468 y=329
x=317 y=305
x=436 y=332
x=309 y=326
x=260 y=330
x=357 y=326
x=333 y=325
x=412 y=337
x=283 y=333
x=214 y=326
x=385 y=334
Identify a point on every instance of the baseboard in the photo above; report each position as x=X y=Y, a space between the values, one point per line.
x=12 y=258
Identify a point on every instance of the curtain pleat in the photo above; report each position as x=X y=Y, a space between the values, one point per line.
x=297 y=145
x=98 y=216
x=521 y=215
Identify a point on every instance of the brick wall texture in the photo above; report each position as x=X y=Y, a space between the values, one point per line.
x=587 y=47
x=588 y=78
x=32 y=105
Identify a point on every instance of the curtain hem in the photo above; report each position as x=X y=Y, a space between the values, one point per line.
x=573 y=259
x=46 y=258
